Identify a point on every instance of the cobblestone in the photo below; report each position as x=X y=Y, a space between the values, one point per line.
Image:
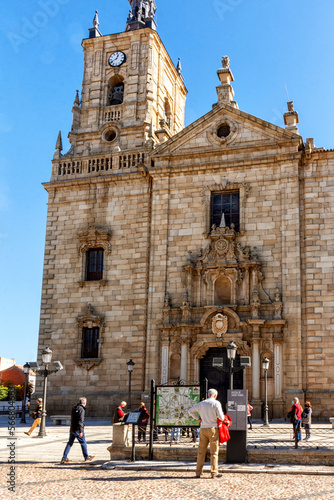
x=39 y=475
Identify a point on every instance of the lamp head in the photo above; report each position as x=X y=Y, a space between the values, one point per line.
x=46 y=356
x=58 y=365
x=231 y=351
x=130 y=364
x=265 y=364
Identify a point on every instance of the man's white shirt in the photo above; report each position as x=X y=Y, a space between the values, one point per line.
x=209 y=410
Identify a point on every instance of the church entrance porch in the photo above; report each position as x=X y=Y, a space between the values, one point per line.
x=214 y=367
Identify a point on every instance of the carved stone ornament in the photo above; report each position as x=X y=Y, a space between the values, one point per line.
x=90 y=318
x=87 y=363
x=215 y=140
x=219 y=324
x=94 y=237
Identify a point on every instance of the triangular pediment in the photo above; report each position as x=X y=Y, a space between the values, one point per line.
x=243 y=131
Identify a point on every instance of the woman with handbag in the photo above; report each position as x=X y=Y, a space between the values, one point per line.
x=306 y=420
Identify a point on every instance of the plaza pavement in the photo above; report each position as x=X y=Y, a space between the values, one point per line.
x=39 y=475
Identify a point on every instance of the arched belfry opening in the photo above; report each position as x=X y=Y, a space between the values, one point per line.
x=116 y=89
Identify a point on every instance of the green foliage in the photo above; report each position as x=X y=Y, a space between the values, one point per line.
x=3 y=392
x=18 y=388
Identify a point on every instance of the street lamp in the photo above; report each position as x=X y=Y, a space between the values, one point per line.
x=231 y=353
x=46 y=359
x=265 y=366
x=130 y=365
x=26 y=370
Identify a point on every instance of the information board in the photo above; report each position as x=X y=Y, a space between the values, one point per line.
x=132 y=417
x=237 y=409
x=173 y=403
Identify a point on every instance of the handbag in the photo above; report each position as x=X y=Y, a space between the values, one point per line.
x=223 y=425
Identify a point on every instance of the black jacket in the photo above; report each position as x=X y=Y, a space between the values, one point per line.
x=78 y=418
x=38 y=411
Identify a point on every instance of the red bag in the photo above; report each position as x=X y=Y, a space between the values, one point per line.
x=223 y=425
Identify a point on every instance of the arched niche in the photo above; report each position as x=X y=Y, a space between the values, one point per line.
x=222 y=291
x=175 y=366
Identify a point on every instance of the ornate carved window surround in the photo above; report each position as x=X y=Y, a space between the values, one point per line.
x=90 y=238
x=90 y=319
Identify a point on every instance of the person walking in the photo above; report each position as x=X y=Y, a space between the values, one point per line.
x=207 y=412
x=37 y=415
x=77 y=431
x=306 y=420
x=249 y=416
x=142 y=422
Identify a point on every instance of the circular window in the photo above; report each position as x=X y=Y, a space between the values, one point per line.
x=224 y=130
x=109 y=135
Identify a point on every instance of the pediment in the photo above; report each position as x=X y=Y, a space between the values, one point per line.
x=243 y=131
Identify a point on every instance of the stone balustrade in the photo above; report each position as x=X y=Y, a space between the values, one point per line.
x=100 y=164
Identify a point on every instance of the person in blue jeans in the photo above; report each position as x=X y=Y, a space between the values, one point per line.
x=77 y=431
x=175 y=435
x=296 y=417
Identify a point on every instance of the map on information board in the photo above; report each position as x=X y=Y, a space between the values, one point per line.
x=173 y=403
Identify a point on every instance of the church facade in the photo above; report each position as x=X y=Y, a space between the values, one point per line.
x=164 y=243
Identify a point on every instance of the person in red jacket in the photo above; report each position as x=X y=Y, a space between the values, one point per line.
x=296 y=417
x=119 y=413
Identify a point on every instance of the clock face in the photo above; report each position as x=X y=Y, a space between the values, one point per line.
x=117 y=58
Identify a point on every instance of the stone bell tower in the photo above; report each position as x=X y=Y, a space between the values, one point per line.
x=130 y=90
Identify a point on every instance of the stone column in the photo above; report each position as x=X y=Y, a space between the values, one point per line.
x=256 y=369
x=196 y=369
x=184 y=362
x=164 y=363
x=256 y=366
x=278 y=369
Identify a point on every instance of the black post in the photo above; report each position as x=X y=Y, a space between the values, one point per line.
x=133 y=451
x=152 y=419
x=129 y=407
x=42 y=432
x=23 y=414
x=231 y=374
x=266 y=419
x=295 y=433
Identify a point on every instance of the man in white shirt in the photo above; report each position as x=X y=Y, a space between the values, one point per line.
x=207 y=412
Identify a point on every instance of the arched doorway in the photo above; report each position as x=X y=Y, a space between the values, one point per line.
x=217 y=378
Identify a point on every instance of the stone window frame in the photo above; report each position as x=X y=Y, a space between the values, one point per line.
x=92 y=238
x=225 y=186
x=90 y=319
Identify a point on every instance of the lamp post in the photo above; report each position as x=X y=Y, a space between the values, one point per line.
x=26 y=370
x=231 y=353
x=46 y=358
x=265 y=366
x=130 y=365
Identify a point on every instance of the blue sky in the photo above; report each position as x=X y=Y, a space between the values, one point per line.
x=271 y=45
